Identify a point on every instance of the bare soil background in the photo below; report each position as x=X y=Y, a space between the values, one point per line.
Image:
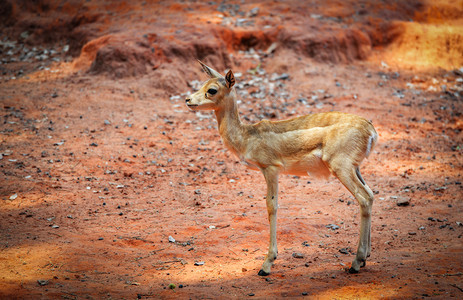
x=111 y=188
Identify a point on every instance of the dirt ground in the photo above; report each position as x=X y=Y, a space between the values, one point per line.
x=112 y=188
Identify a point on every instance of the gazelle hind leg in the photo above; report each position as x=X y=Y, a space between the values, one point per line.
x=354 y=182
x=370 y=193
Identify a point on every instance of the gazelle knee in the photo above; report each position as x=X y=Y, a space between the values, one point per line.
x=366 y=206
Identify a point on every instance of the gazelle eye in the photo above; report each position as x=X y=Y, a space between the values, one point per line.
x=212 y=91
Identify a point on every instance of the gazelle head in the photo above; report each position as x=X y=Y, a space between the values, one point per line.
x=212 y=94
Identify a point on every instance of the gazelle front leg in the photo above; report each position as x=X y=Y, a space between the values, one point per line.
x=271 y=177
x=354 y=182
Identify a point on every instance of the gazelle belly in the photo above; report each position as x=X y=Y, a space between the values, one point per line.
x=310 y=163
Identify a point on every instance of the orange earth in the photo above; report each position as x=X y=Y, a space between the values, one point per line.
x=112 y=188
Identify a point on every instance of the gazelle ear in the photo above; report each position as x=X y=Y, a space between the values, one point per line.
x=209 y=71
x=230 y=79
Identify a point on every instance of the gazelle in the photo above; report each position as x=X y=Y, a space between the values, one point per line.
x=319 y=144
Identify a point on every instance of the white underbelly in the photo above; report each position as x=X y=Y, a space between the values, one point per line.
x=311 y=164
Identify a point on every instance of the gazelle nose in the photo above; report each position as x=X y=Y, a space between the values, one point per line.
x=187 y=100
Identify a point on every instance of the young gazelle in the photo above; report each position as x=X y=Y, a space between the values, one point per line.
x=319 y=144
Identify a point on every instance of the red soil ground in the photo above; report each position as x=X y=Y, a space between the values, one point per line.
x=101 y=162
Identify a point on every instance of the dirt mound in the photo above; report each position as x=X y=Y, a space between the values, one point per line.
x=134 y=54
x=48 y=22
x=334 y=45
x=244 y=39
x=119 y=56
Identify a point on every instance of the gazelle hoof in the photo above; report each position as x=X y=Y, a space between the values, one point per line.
x=263 y=273
x=352 y=271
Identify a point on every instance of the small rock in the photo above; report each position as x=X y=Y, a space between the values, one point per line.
x=298 y=255
x=199 y=263
x=412 y=233
x=171 y=239
x=403 y=201
x=253 y=12
x=13 y=197
x=276 y=77
x=43 y=282
x=344 y=251
x=332 y=226
x=270 y=49
x=107 y=122
x=94 y=144
x=24 y=34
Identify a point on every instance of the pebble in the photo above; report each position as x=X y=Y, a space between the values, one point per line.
x=402 y=201
x=43 y=282
x=298 y=255
x=253 y=12
x=171 y=239
x=332 y=226
x=199 y=263
x=344 y=251
x=276 y=77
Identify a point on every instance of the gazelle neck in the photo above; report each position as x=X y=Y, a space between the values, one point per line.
x=230 y=127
